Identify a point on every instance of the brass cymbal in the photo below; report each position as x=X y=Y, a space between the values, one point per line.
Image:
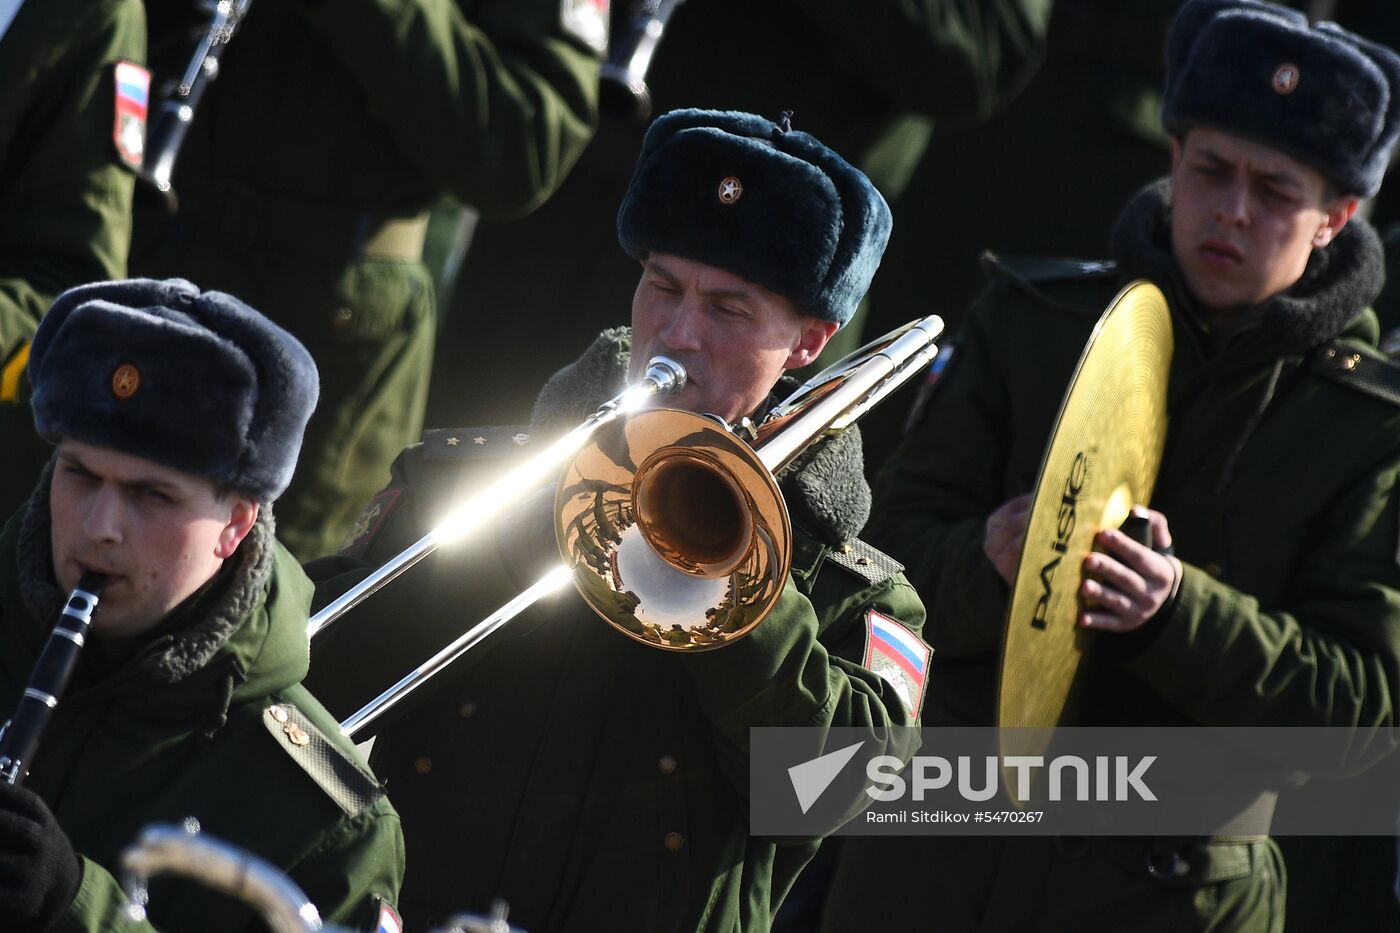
x=1102 y=460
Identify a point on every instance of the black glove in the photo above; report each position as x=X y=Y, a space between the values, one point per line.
x=39 y=871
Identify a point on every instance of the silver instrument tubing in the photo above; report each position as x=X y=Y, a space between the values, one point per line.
x=664 y=376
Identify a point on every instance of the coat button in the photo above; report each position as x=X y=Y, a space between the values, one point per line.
x=343 y=316
x=1213 y=568
x=667 y=764
x=466 y=710
x=674 y=842
x=423 y=764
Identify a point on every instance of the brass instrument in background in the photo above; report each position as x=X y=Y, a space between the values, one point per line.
x=180 y=98
x=166 y=849
x=671 y=524
x=623 y=77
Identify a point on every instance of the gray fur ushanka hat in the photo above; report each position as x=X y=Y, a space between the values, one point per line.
x=767 y=203
x=1318 y=93
x=197 y=381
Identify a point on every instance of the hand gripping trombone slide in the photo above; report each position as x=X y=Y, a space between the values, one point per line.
x=19 y=738
x=690 y=550
x=663 y=376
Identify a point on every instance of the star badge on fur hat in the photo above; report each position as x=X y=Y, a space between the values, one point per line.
x=125 y=381
x=1316 y=92
x=193 y=380
x=1286 y=78
x=761 y=200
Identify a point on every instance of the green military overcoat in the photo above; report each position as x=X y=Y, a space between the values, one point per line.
x=1278 y=481
x=594 y=782
x=193 y=726
x=65 y=191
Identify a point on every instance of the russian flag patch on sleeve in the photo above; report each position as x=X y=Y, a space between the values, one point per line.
x=389 y=921
x=129 y=125
x=897 y=655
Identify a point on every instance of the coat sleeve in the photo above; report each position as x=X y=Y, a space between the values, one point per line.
x=66 y=196
x=1329 y=657
x=493 y=100
x=956 y=60
x=932 y=501
x=100 y=904
x=355 y=867
x=800 y=668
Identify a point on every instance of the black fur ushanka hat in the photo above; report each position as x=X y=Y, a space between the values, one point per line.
x=1318 y=93
x=758 y=199
x=197 y=381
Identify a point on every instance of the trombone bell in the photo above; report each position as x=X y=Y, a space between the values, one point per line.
x=688 y=551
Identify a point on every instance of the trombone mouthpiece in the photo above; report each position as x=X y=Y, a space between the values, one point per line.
x=666 y=374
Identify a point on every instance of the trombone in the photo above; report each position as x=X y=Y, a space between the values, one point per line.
x=671 y=524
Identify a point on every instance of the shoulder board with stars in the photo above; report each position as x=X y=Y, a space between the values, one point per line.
x=474 y=443
x=1360 y=366
x=345 y=781
x=871 y=564
x=898 y=656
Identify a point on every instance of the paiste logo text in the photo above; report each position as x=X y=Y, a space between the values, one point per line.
x=1108 y=778
x=1064 y=527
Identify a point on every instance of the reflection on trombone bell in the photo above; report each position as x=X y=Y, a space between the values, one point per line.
x=684 y=541
x=167 y=849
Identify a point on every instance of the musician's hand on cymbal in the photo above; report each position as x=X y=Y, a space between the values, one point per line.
x=1005 y=535
x=1127 y=584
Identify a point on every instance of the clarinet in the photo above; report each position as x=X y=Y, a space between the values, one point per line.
x=19 y=737
x=172 y=122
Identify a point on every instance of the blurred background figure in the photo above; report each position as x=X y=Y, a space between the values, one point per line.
x=868 y=78
x=70 y=145
x=1045 y=177
x=308 y=172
